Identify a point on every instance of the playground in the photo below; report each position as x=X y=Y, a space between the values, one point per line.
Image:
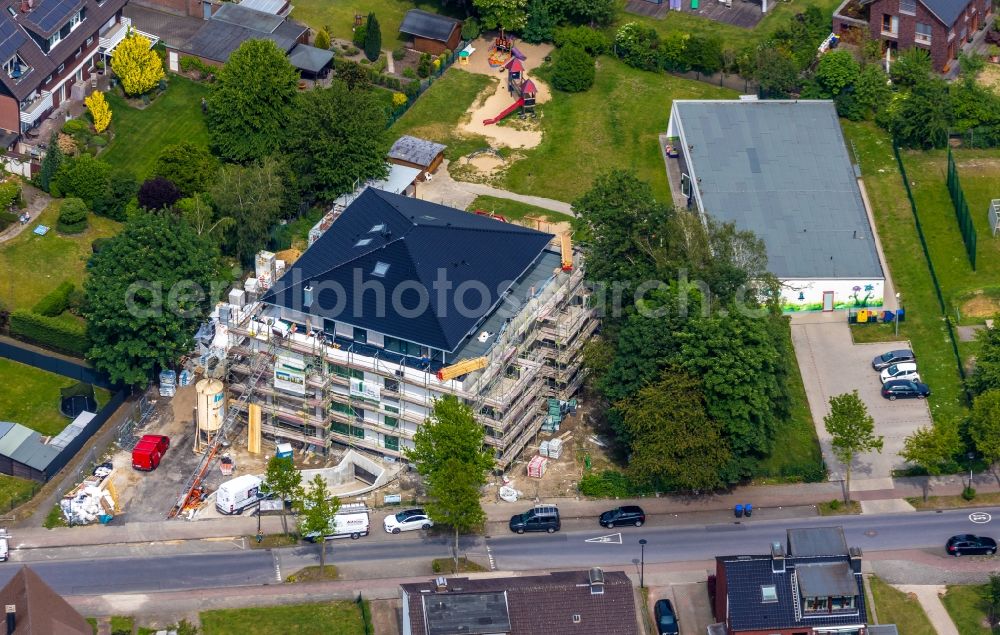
x=512 y=98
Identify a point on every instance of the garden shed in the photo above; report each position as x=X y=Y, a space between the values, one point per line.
x=419 y=153
x=431 y=33
x=312 y=62
x=781 y=169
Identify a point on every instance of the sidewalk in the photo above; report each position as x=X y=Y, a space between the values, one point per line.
x=929 y=597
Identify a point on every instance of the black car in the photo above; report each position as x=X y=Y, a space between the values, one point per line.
x=904 y=389
x=625 y=515
x=538 y=518
x=969 y=545
x=885 y=360
x=666 y=619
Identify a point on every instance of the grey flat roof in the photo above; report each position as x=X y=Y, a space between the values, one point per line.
x=781 y=169
x=14 y=438
x=242 y=15
x=472 y=613
x=816 y=541
x=415 y=150
x=828 y=579
x=882 y=629
x=428 y=25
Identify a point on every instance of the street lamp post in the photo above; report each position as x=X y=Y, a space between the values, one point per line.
x=642 y=563
x=897 y=315
x=971 y=456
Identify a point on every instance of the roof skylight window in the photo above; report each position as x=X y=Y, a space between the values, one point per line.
x=380 y=269
x=363 y=242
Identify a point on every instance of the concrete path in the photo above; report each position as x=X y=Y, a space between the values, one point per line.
x=929 y=597
x=442 y=188
x=886 y=506
x=37 y=202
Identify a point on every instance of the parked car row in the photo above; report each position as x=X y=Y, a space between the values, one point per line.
x=898 y=372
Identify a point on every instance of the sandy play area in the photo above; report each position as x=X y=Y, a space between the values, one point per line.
x=526 y=135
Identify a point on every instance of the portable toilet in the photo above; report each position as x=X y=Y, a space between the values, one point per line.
x=284 y=451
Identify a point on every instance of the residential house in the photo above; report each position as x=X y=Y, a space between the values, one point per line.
x=47 y=47
x=940 y=27
x=812 y=585
x=431 y=33
x=591 y=602
x=399 y=302
x=31 y=607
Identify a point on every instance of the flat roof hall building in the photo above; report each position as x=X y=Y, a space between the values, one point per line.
x=782 y=170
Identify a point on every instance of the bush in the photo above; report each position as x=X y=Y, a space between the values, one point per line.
x=158 y=193
x=98 y=244
x=7 y=219
x=409 y=73
x=969 y=493
x=471 y=29
x=424 y=66
x=10 y=193
x=60 y=335
x=412 y=89
x=399 y=53
x=82 y=177
x=573 y=70
x=72 y=217
x=590 y=40
x=360 y=33
x=399 y=99
x=638 y=46
x=609 y=484
x=189 y=64
x=322 y=40
x=835 y=504
x=56 y=301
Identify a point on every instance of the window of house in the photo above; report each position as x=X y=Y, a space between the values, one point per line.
x=890 y=24
x=15 y=67
x=358 y=412
x=392 y=443
x=817 y=604
x=923 y=33
x=401 y=346
x=390 y=422
x=769 y=593
x=376 y=228
x=380 y=269
x=61 y=68
x=841 y=603
x=341 y=408
x=908 y=6
x=390 y=405
x=360 y=336
x=391 y=385
x=364 y=242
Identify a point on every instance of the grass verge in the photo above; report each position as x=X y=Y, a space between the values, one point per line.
x=967 y=608
x=313 y=574
x=120 y=623
x=437 y=113
x=895 y=607
x=515 y=210
x=273 y=541
x=140 y=135
x=338 y=17
x=837 y=507
x=54 y=518
x=34 y=265
x=447 y=565
x=327 y=618
x=988 y=499
x=612 y=125
x=924 y=326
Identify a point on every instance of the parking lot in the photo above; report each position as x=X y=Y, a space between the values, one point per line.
x=831 y=364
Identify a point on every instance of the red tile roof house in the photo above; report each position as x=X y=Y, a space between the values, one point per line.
x=941 y=27
x=48 y=48
x=563 y=603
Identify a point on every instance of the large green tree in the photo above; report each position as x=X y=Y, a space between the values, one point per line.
x=252 y=196
x=502 y=14
x=147 y=291
x=83 y=177
x=373 y=38
x=50 y=163
x=336 y=140
x=984 y=426
x=775 y=71
x=316 y=514
x=285 y=482
x=932 y=448
x=923 y=115
x=251 y=102
x=986 y=375
x=188 y=166
x=852 y=432
x=449 y=453
x=676 y=444
x=836 y=71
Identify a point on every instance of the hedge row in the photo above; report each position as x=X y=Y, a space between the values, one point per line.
x=65 y=336
x=56 y=301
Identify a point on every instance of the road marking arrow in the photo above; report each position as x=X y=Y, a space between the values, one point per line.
x=613 y=539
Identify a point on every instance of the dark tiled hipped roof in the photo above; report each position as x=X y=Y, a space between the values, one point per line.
x=428 y=25
x=430 y=255
x=39 y=609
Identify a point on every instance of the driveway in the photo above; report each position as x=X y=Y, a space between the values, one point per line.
x=690 y=600
x=831 y=364
x=443 y=189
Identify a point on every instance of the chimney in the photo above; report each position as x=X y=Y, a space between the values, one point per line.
x=307 y=296
x=777 y=558
x=441 y=584
x=11 y=618
x=855 y=553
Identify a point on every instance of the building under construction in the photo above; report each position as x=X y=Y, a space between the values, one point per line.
x=399 y=302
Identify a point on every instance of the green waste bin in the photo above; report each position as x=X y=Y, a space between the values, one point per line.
x=694 y=5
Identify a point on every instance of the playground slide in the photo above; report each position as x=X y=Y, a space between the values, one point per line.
x=506 y=111
x=518 y=54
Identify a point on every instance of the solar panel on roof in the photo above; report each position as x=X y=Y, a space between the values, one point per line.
x=52 y=14
x=11 y=39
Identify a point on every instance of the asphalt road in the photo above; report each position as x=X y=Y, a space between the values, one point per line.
x=113 y=569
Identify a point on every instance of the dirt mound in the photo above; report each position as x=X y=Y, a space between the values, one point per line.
x=980 y=306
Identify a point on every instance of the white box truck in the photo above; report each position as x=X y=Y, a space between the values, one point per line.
x=234 y=496
x=350 y=520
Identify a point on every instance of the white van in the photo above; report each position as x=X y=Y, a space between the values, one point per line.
x=350 y=520
x=4 y=545
x=234 y=496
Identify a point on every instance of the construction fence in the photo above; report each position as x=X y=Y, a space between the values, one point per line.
x=965 y=225
x=930 y=263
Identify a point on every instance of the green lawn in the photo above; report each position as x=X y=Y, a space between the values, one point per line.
x=515 y=210
x=338 y=17
x=35 y=265
x=615 y=124
x=779 y=13
x=895 y=607
x=141 y=134
x=14 y=491
x=967 y=608
x=31 y=397
x=329 y=618
x=924 y=325
x=437 y=113
x=796 y=449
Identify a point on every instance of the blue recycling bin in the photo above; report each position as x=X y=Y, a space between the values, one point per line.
x=748 y=510
x=738 y=511
x=900 y=314
x=887 y=316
